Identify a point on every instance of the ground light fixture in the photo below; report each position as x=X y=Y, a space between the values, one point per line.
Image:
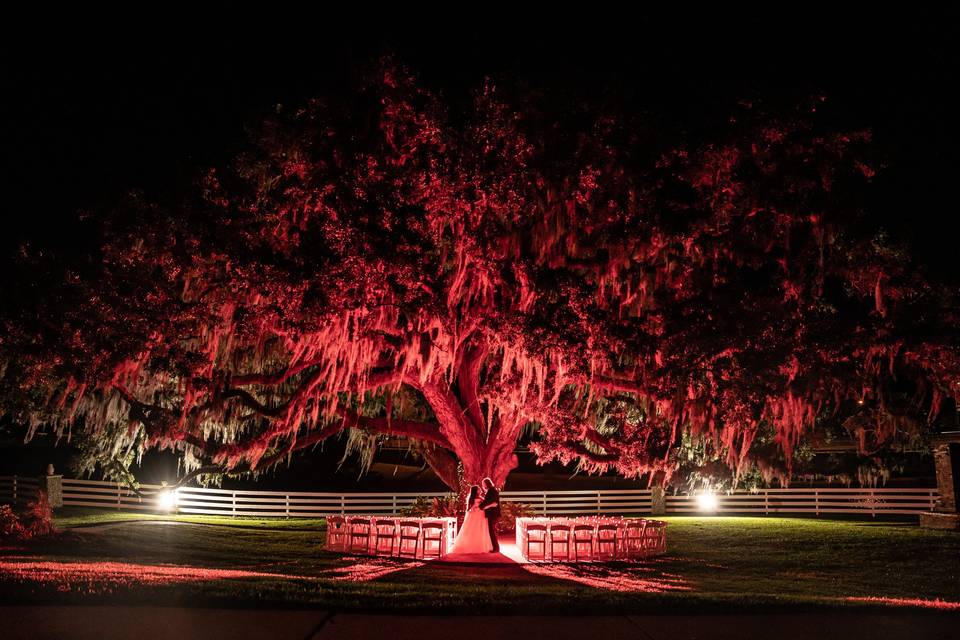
x=167 y=500
x=707 y=502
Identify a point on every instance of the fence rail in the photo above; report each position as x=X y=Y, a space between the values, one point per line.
x=816 y=501
x=562 y=503
x=18 y=489
x=298 y=504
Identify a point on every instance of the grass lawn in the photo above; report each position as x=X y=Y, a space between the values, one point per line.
x=712 y=564
x=71 y=517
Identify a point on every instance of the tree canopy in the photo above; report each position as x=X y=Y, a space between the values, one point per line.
x=392 y=262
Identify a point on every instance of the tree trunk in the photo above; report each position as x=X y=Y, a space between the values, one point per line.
x=484 y=450
x=483 y=453
x=495 y=463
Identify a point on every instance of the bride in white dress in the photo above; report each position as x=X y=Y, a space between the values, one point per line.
x=474 y=534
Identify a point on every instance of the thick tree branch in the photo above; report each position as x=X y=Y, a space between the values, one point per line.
x=267 y=379
x=617 y=384
x=301 y=443
x=468 y=383
x=269 y=461
x=157 y=420
x=599 y=439
x=584 y=452
x=247 y=400
x=373 y=381
x=455 y=426
x=422 y=431
x=444 y=464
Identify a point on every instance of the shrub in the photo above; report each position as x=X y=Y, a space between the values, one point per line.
x=9 y=523
x=442 y=507
x=509 y=512
x=36 y=520
x=450 y=508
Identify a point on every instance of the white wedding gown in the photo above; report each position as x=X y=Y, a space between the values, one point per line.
x=474 y=534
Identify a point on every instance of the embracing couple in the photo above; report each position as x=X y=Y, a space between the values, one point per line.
x=478 y=533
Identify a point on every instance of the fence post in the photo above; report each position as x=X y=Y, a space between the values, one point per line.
x=233 y=504
x=544 y=503
x=286 y=504
x=766 y=502
x=343 y=510
x=52 y=485
x=16 y=498
x=816 y=501
x=658 y=501
x=118 y=496
x=873 y=504
x=598 y=502
x=393 y=510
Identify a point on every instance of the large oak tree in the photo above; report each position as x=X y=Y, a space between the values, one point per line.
x=463 y=275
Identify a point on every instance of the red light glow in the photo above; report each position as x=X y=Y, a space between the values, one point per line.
x=370 y=569
x=107 y=577
x=642 y=579
x=942 y=605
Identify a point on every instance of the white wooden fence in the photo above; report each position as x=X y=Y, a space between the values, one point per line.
x=563 y=503
x=815 y=501
x=18 y=489
x=298 y=504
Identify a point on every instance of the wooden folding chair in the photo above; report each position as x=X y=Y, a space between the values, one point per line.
x=560 y=537
x=432 y=533
x=535 y=535
x=582 y=535
x=359 y=531
x=336 y=533
x=385 y=530
x=409 y=532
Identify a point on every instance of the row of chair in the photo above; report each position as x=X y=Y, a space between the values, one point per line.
x=586 y=542
x=386 y=537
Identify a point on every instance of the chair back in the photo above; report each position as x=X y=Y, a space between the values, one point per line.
x=386 y=527
x=359 y=525
x=409 y=527
x=655 y=529
x=582 y=529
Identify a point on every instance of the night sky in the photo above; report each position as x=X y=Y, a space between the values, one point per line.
x=103 y=100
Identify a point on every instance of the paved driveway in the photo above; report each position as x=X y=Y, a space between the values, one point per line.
x=173 y=623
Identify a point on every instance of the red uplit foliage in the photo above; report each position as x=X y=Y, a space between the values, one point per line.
x=9 y=523
x=33 y=522
x=389 y=265
x=110 y=577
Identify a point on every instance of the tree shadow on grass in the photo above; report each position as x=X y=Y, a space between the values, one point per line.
x=631 y=577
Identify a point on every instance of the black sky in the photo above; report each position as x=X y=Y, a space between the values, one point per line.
x=97 y=101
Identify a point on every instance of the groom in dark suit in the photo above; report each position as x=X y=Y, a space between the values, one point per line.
x=491 y=509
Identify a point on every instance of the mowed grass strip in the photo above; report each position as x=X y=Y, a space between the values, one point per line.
x=712 y=564
x=73 y=517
